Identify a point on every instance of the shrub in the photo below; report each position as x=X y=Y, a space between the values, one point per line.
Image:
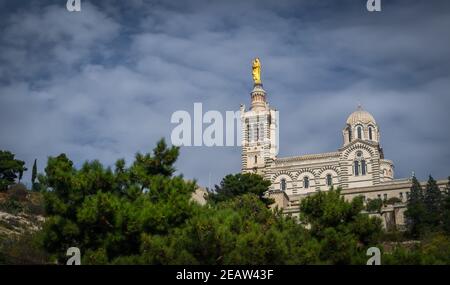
x=374 y=205
x=25 y=249
x=11 y=206
x=17 y=192
x=393 y=201
x=35 y=209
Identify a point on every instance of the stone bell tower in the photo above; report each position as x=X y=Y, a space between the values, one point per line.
x=259 y=127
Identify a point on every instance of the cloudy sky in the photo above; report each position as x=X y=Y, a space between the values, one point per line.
x=103 y=83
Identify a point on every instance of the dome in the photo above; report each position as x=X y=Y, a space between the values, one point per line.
x=360 y=116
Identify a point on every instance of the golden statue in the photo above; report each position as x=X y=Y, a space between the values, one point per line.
x=256 y=72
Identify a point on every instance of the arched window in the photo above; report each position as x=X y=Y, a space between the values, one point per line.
x=256 y=159
x=257 y=133
x=306 y=182
x=283 y=184
x=359 y=130
x=356 y=168
x=248 y=130
x=349 y=134
x=370 y=133
x=329 y=180
x=363 y=167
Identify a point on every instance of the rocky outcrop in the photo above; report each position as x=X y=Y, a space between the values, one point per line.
x=18 y=224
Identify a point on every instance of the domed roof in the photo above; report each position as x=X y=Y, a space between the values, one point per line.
x=360 y=116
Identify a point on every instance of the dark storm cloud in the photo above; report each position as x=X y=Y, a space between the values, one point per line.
x=103 y=83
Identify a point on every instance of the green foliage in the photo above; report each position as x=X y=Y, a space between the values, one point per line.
x=17 y=192
x=138 y=216
x=432 y=250
x=374 y=205
x=142 y=214
x=34 y=172
x=394 y=235
x=23 y=250
x=343 y=232
x=240 y=230
x=416 y=211
x=393 y=201
x=11 y=206
x=35 y=186
x=433 y=204
x=147 y=166
x=20 y=200
x=239 y=184
x=15 y=198
x=105 y=212
x=10 y=169
x=35 y=205
x=427 y=211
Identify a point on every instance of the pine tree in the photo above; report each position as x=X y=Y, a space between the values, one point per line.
x=415 y=212
x=10 y=169
x=433 y=204
x=105 y=212
x=239 y=184
x=160 y=162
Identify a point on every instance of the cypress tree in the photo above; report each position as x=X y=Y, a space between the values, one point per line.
x=415 y=212
x=433 y=204
x=34 y=184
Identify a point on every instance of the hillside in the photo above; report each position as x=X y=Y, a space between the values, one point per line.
x=21 y=215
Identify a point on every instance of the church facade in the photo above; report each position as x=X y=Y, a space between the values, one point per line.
x=358 y=167
x=359 y=162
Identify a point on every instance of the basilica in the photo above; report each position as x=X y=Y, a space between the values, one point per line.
x=358 y=167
